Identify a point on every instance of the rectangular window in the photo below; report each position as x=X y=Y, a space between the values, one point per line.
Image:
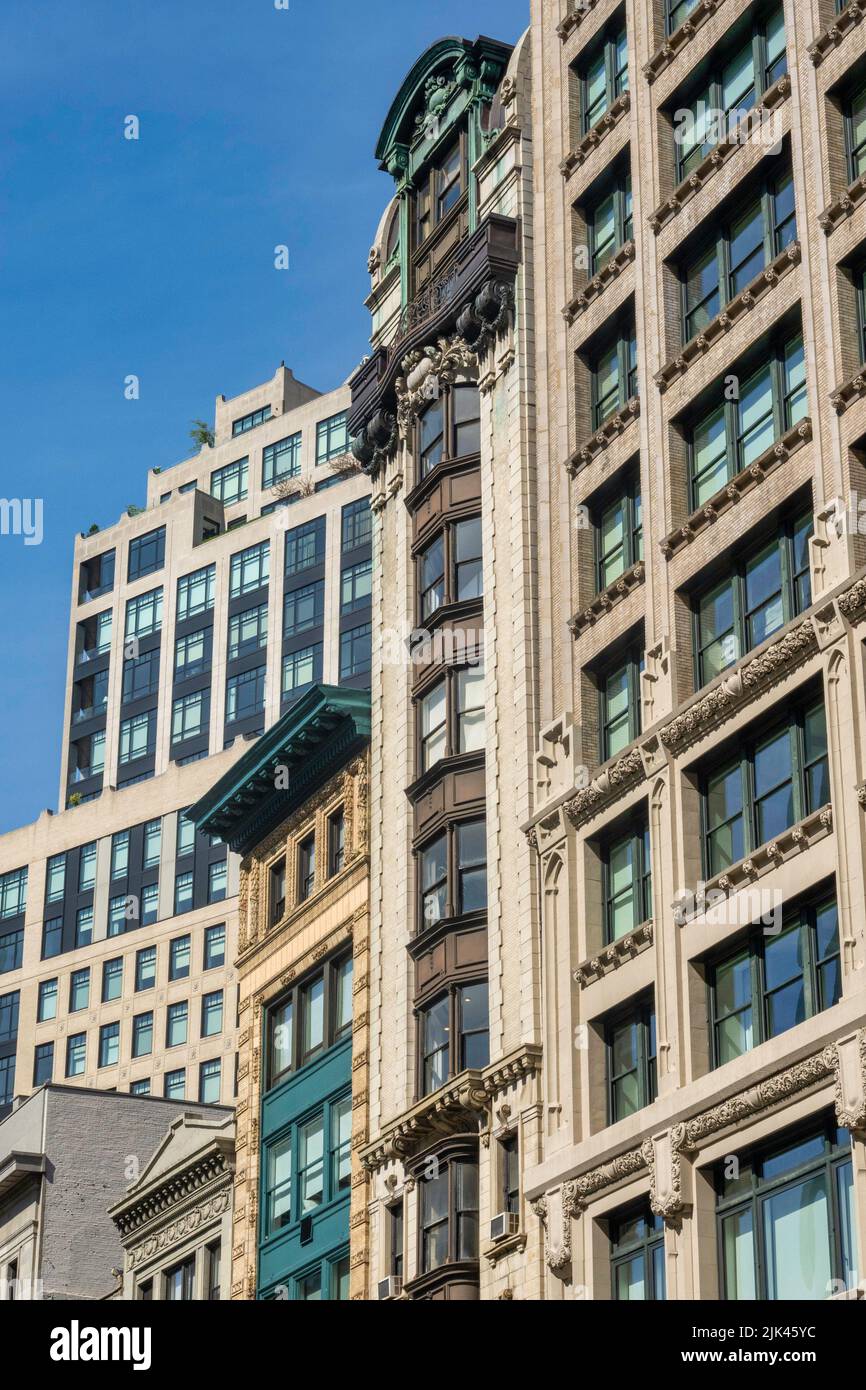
x=152 y=844
x=356 y=652
x=214 y=947
x=735 y=434
x=305 y=546
x=137 y=736
x=312 y=1013
x=217 y=882
x=212 y=1014
x=47 y=1007
x=43 y=1064
x=304 y=609
x=109 y=1045
x=9 y=1007
x=306 y=867
x=278 y=1192
x=144 y=614
x=117 y=914
x=87 y=867
x=112 y=980
x=56 y=879
x=614 y=377
x=183 y=893
x=251 y=421
x=855 y=133
x=603 y=78
x=149 y=904
x=619 y=704
x=146 y=554
x=631 y=1062
x=357 y=525
x=209 y=1082
x=610 y=223
x=356 y=587
x=185 y=836
x=336 y=842
x=301 y=669
x=277 y=891
x=618 y=529
x=79 y=990
x=229 y=484
x=782 y=1200
x=120 y=854
x=627 y=882
x=769 y=585
x=281 y=460
x=510 y=1170
x=280 y=1040
x=248 y=631
x=176 y=1024
x=250 y=570
x=342 y=984
x=142 y=1035
x=141 y=1088
x=473 y=1025
x=311 y=1164
x=179 y=958
x=777 y=779
x=395 y=1213
x=245 y=695
x=192 y=655
x=775 y=981
x=637 y=1255
x=180 y=1282
x=83 y=926
x=341 y=1145
x=677 y=12
x=332 y=438
x=145 y=968
x=76 y=1054
x=52 y=939
x=175 y=1085
x=190 y=716
x=195 y=593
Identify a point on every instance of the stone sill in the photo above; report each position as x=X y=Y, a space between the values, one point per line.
x=509 y=1245
x=610 y=271
x=853 y=390
x=614 y=955
x=844 y=206
x=594 y=137
x=742 y=304
x=768 y=857
x=679 y=39
x=684 y=192
x=849 y=18
x=743 y=483
x=604 y=436
x=608 y=599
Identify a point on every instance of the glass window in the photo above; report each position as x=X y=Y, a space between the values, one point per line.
x=627 y=883
x=301 y=669
x=278 y=1196
x=470 y=709
x=472 y=866
x=631 y=1061
x=278 y=891
x=250 y=570
x=356 y=652
x=619 y=693
x=614 y=377
x=604 y=77
x=510 y=1169
x=52 y=940
x=142 y=1035
x=610 y=223
x=311 y=1164
x=229 y=484
x=214 y=947
x=281 y=1040
x=304 y=609
x=474 y=1026
x=137 y=736
x=434 y=1221
x=180 y=1282
x=468 y=577
x=281 y=460
x=76 y=1054
x=179 y=958
x=637 y=1255
x=152 y=842
x=195 y=593
x=248 y=631
x=251 y=421
x=79 y=990
x=175 y=1085
x=357 y=525
x=855 y=131
x=145 y=968
x=433 y=578
x=112 y=979
x=144 y=614
x=619 y=534
x=47 y=1007
x=313 y=1016
x=356 y=586
x=192 y=655
x=56 y=879
x=343 y=1003
x=434 y=881
x=331 y=438
x=176 y=1024
x=185 y=835
x=341 y=1145
x=43 y=1064
x=87 y=867
x=120 y=854
x=245 y=695
x=83 y=926
x=212 y=1014
x=336 y=842
x=434 y=726
x=190 y=716
x=210 y=1082
x=217 y=881
x=305 y=546
x=140 y=1088
x=13 y=893
x=146 y=554
x=9 y=1008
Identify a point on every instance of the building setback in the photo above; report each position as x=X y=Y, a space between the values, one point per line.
x=295 y=808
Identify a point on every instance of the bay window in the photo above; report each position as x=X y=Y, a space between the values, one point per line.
x=450 y=567
x=748 y=421
x=450 y=426
x=452 y=873
x=777 y=777
x=439 y=190
x=454 y=1035
x=451 y=716
x=449 y=1214
x=769 y=585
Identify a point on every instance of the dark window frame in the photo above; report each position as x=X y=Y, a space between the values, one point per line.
x=640 y=1014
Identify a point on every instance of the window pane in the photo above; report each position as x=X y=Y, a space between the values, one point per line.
x=311 y=1163
x=313 y=1000
x=797 y=1240
x=710 y=456
x=719 y=646
x=739 y=1255
x=756 y=420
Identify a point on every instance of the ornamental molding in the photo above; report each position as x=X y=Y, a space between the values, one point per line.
x=853 y=601
x=591 y=141
x=423 y=370
x=844 y=22
x=608 y=599
x=852 y=391
x=615 y=426
x=612 y=782
x=557 y=1247
x=203 y=1214
x=772 y=99
x=613 y=956
x=739 y=307
x=861 y=795
x=610 y=271
x=844 y=206
x=740 y=485
x=153 y=1205
x=572 y=20
x=743 y=684
x=850 y=1081
x=680 y=39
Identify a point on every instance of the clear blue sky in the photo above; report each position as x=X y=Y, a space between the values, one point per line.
x=155 y=257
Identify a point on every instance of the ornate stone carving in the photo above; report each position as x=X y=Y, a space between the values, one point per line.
x=557 y=1248
x=850 y=1081
x=612 y=782
x=422 y=369
x=179 y=1229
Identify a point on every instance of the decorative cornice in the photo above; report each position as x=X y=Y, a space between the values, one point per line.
x=744 y=482
x=853 y=601
x=853 y=390
x=680 y=39
x=610 y=271
x=614 y=955
x=192 y=1220
x=608 y=599
x=720 y=153
x=844 y=22
x=742 y=684
x=593 y=138
x=742 y=304
x=158 y=1203
x=612 y=429
x=612 y=782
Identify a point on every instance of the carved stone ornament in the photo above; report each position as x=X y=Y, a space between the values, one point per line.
x=613 y=781
x=376 y=442
x=557 y=1233
x=421 y=372
x=184 y=1226
x=851 y=1081
x=487 y=316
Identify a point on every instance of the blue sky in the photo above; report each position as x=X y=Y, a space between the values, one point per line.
x=155 y=257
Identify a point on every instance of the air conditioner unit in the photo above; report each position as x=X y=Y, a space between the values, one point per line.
x=507 y=1223
x=391 y=1287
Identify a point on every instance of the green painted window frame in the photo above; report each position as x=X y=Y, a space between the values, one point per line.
x=627 y=499
x=795 y=593
x=630 y=664
x=333 y=1190
x=647 y=1247
x=619 y=195
x=639 y=1016
x=609 y=54
x=636 y=839
x=752 y=1189
x=677 y=12
x=814 y=967
x=330 y=975
x=622 y=348
x=804 y=766
x=855 y=150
